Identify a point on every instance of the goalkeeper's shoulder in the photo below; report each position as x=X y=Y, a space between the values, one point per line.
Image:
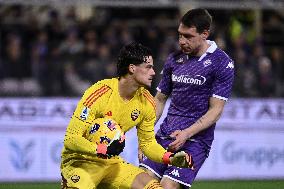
x=106 y=83
x=147 y=99
x=96 y=91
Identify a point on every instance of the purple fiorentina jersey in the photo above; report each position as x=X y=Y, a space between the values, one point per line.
x=191 y=81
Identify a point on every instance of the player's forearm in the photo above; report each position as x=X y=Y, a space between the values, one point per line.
x=79 y=144
x=153 y=151
x=149 y=145
x=160 y=100
x=74 y=139
x=206 y=121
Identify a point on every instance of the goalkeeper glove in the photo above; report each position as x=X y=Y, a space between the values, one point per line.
x=179 y=159
x=112 y=149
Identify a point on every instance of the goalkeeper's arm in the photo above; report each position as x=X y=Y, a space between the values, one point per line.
x=75 y=141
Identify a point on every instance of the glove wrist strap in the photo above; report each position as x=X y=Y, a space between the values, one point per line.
x=102 y=149
x=166 y=157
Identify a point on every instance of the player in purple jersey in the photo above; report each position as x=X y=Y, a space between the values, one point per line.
x=199 y=80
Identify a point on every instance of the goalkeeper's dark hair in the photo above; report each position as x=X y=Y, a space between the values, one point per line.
x=133 y=53
x=199 y=18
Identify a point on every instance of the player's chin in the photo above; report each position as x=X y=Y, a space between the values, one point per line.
x=148 y=83
x=186 y=50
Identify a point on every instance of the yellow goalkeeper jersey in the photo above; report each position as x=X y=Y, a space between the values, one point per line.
x=103 y=100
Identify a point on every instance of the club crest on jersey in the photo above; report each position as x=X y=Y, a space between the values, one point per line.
x=85 y=113
x=135 y=114
x=207 y=62
x=75 y=178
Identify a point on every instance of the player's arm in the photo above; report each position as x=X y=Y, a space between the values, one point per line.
x=157 y=153
x=74 y=139
x=214 y=112
x=146 y=135
x=153 y=150
x=220 y=92
x=160 y=100
x=165 y=87
x=82 y=118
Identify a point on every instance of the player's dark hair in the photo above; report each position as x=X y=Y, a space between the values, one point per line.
x=133 y=53
x=199 y=18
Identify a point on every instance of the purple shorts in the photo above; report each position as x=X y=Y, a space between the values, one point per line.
x=184 y=176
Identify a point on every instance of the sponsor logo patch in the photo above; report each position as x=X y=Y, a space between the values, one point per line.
x=85 y=113
x=230 y=65
x=196 y=80
x=109 y=113
x=175 y=173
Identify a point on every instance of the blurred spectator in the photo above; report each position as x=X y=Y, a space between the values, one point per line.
x=41 y=71
x=265 y=77
x=16 y=73
x=278 y=69
x=245 y=76
x=47 y=51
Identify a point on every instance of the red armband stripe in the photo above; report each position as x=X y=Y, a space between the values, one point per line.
x=102 y=149
x=166 y=157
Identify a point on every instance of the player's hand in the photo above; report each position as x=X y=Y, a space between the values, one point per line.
x=182 y=159
x=180 y=137
x=113 y=149
x=179 y=159
x=140 y=155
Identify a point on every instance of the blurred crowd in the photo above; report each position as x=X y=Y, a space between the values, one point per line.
x=60 y=52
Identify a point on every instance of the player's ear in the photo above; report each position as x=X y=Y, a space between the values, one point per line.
x=131 y=68
x=205 y=34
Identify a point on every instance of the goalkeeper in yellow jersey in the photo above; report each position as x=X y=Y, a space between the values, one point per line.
x=85 y=165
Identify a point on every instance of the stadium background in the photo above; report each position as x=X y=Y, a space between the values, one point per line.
x=51 y=51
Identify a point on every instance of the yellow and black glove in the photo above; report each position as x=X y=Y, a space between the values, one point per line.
x=179 y=159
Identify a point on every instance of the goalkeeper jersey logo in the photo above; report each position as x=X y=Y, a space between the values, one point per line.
x=85 y=113
x=135 y=114
x=75 y=178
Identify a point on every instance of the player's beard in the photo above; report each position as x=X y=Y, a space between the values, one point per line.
x=191 y=51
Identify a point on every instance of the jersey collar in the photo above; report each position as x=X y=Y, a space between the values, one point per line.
x=210 y=50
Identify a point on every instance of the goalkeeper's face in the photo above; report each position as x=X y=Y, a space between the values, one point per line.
x=144 y=73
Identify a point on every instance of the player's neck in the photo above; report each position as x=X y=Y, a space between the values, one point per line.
x=203 y=49
x=126 y=88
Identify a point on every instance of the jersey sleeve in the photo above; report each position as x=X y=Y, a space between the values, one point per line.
x=82 y=118
x=165 y=85
x=146 y=134
x=224 y=77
